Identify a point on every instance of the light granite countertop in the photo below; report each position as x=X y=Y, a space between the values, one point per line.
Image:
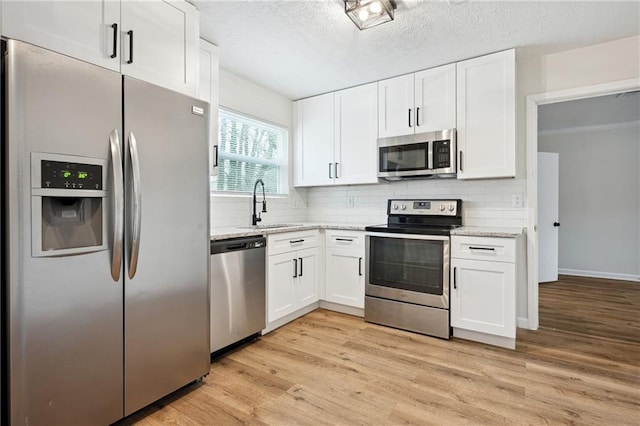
x=223 y=233
x=488 y=231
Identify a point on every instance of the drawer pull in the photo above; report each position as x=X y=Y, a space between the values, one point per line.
x=295 y=241
x=483 y=248
x=345 y=239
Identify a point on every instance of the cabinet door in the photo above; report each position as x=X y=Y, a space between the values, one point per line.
x=208 y=84
x=160 y=42
x=486 y=116
x=307 y=282
x=435 y=99
x=345 y=277
x=281 y=285
x=356 y=126
x=80 y=29
x=483 y=297
x=396 y=114
x=314 y=141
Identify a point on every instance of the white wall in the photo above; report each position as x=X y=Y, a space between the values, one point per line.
x=485 y=202
x=598 y=64
x=599 y=201
x=246 y=97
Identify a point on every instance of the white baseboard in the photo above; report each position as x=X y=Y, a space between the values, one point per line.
x=343 y=309
x=288 y=318
x=523 y=322
x=489 y=339
x=598 y=274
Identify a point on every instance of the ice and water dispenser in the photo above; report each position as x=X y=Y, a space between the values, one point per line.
x=68 y=204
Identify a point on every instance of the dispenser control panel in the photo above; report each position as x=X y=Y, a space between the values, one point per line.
x=65 y=175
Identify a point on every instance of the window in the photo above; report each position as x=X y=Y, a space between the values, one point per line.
x=250 y=149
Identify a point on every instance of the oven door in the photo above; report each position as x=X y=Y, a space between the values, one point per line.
x=408 y=268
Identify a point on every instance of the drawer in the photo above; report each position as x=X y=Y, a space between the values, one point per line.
x=292 y=241
x=344 y=239
x=483 y=248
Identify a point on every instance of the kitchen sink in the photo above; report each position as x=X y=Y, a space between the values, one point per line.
x=271 y=226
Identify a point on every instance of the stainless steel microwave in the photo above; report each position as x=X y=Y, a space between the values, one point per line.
x=431 y=154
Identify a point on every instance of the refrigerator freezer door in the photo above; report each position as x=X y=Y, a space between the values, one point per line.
x=65 y=312
x=166 y=301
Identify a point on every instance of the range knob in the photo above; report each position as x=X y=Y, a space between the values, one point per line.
x=395 y=207
x=403 y=207
x=441 y=207
x=451 y=207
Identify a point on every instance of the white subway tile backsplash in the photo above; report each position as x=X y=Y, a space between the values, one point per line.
x=485 y=203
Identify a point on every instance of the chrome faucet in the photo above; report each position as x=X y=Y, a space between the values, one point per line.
x=255 y=217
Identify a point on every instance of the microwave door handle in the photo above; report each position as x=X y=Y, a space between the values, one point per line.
x=430 y=155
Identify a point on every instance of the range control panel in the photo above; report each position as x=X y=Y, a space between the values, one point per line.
x=66 y=175
x=423 y=207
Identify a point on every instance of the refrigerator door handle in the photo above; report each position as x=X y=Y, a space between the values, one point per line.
x=118 y=202
x=137 y=205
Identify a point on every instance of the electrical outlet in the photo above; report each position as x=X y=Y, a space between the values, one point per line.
x=516 y=200
x=350 y=201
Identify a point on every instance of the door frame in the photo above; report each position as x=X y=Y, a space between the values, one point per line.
x=532 y=104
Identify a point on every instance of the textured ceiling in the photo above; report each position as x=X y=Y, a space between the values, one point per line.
x=304 y=48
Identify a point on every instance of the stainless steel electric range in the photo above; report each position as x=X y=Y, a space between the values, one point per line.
x=407 y=266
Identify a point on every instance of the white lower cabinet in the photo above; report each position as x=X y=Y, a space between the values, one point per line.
x=345 y=268
x=292 y=272
x=483 y=290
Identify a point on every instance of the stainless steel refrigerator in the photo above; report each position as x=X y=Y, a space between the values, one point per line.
x=106 y=242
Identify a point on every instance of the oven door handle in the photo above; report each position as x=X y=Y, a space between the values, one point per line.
x=407 y=236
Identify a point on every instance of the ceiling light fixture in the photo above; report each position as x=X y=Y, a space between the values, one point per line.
x=369 y=13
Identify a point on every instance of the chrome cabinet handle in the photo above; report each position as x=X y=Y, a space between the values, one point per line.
x=330 y=177
x=137 y=205
x=295 y=268
x=114 y=26
x=118 y=202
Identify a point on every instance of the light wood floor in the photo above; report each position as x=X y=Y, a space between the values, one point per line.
x=329 y=368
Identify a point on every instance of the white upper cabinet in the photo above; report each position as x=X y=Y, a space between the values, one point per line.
x=87 y=30
x=396 y=106
x=208 y=83
x=435 y=99
x=356 y=133
x=160 y=43
x=335 y=137
x=486 y=129
x=163 y=34
x=416 y=103
x=314 y=142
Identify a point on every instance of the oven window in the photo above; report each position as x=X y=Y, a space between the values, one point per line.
x=407 y=264
x=403 y=157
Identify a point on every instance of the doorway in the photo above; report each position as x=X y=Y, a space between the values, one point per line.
x=533 y=104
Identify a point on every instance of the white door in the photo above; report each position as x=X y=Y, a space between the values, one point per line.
x=396 y=114
x=356 y=126
x=548 y=216
x=314 y=141
x=281 y=285
x=435 y=97
x=160 y=44
x=307 y=282
x=85 y=30
x=345 y=277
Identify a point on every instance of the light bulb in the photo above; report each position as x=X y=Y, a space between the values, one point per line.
x=363 y=15
x=375 y=7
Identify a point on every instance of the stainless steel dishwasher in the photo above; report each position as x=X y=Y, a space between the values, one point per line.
x=237 y=290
